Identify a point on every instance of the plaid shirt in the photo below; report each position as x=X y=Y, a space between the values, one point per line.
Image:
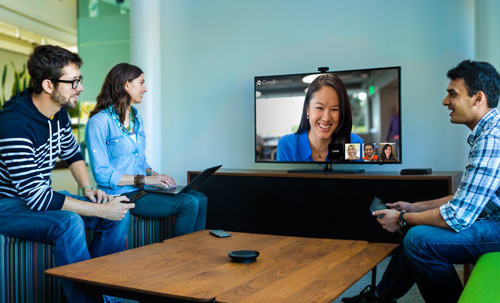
x=478 y=196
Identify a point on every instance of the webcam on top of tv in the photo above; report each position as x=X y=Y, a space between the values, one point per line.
x=323 y=69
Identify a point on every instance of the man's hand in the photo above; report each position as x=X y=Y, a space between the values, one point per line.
x=401 y=205
x=115 y=210
x=389 y=220
x=97 y=196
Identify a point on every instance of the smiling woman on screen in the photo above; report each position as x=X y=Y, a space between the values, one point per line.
x=326 y=118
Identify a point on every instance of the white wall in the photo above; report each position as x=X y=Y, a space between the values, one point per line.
x=145 y=51
x=211 y=50
x=488 y=31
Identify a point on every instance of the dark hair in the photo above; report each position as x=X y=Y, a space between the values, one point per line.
x=368 y=144
x=113 y=89
x=47 y=62
x=478 y=76
x=383 y=157
x=342 y=134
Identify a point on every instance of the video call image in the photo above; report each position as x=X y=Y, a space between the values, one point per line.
x=366 y=152
x=387 y=152
x=284 y=121
x=352 y=151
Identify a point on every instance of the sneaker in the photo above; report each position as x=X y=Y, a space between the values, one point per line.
x=366 y=296
x=110 y=299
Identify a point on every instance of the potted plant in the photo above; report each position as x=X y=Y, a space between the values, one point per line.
x=21 y=82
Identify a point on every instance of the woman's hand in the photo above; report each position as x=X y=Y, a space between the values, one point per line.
x=161 y=180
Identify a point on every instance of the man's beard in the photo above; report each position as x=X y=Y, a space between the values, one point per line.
x=58 y=98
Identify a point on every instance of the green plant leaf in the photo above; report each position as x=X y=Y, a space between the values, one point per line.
x=21 y=79
x=22 y=72
x=20 y=83
x=13 y=66
x=15 y=85
x=4 y=78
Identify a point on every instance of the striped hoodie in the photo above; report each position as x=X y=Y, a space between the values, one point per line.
x=30 y=143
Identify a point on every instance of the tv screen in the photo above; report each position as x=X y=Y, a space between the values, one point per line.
x=349 y=116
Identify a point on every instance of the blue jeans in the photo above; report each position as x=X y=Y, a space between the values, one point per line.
x=65 y=231
x=427 y=255
x=190 y=210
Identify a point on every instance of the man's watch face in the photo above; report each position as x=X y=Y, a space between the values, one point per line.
x=401 y=220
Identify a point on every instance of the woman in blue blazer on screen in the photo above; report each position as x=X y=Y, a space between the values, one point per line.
x=326 y=118
x=116 y=142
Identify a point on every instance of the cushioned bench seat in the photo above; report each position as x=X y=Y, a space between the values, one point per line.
x=484 y=282
x=23 y=263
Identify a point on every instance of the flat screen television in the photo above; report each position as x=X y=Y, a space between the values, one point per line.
x=290 y=130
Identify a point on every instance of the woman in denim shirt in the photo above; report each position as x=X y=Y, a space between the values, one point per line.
x=116 y=142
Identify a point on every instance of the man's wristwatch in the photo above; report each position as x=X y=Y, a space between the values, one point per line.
x=401 y=220
x=86 y=187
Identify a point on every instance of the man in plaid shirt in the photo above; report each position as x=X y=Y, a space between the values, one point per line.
x=456 y=229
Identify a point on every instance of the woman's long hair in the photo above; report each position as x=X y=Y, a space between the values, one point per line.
x=113 y=89
x=383 y=157
x=342 y=133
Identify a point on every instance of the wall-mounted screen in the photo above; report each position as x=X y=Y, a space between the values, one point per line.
x=349 y=116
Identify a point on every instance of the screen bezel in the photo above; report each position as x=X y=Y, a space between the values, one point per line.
x=400 y=158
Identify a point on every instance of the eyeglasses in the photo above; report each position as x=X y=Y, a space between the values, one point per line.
x=74 y=83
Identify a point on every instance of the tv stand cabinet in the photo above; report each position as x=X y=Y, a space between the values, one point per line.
x=322 y=205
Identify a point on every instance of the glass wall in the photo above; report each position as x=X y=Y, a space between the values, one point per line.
x=103 y=41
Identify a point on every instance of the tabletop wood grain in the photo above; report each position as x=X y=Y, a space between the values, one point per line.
x=197 y=267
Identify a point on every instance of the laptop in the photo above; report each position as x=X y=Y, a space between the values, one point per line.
x=194 y=184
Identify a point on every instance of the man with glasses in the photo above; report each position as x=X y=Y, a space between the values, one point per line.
x=35 y=130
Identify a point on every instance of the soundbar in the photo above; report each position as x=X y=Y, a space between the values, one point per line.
x=416 y=171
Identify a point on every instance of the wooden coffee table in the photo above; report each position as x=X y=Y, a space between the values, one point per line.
x=196 y=267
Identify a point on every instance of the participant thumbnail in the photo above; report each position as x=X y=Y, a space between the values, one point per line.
x=352 y=151
x=370 y=152
x=388 y=152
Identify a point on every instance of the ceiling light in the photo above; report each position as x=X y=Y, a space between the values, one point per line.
x=310 y=78
x=362 y=96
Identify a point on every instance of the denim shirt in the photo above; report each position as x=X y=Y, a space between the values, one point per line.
x=114 y=154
